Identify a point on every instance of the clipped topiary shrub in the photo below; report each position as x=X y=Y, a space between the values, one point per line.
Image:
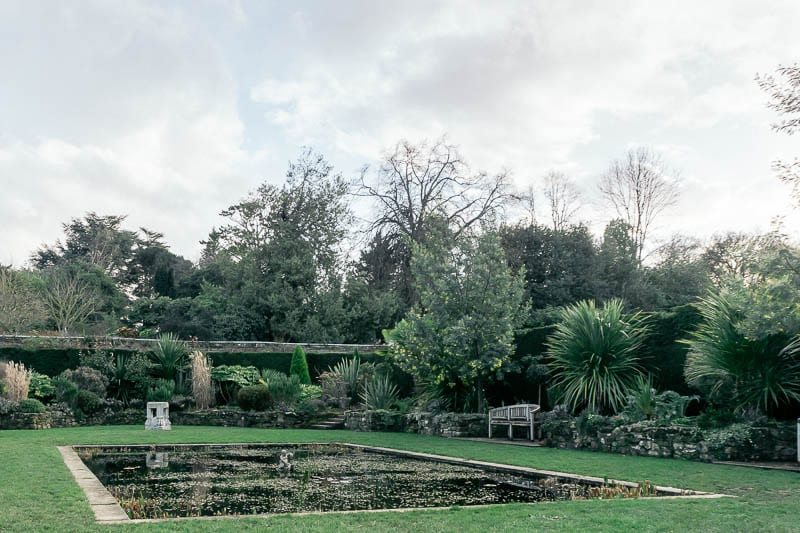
x=88 y=402
x=31 y=405
x=253 y=398
x=299 y=366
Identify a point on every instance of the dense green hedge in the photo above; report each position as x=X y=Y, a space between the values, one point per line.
x=317 y=362
x=46 y=361
x=54 y=361
x=665 y=356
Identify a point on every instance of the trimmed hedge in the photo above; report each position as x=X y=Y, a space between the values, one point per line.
x=52 y=362
x=45 y=361
x=281 y=361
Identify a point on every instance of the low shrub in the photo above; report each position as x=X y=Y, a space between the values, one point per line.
x=88 y=379
x=41 y=387
x=284 y=390
x=253 y=398
x=65 y=391
x=310 y=392
x=88 y=402
x=31 y=405
x=8 y=406
x=231 y=378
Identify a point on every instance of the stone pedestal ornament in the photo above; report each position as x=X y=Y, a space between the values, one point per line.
x=157 y=416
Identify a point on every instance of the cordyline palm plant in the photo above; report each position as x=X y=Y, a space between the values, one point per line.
x=169 y=357
x=759 y=373
x=379 y=393
x=594 y=355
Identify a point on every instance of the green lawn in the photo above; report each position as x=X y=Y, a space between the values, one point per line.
x=38 y=493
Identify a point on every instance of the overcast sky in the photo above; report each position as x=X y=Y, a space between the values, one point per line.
x=171 y=111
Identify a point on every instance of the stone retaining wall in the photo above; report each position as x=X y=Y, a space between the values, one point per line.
x=775 y=441
x=58 y=418
x=442 y=425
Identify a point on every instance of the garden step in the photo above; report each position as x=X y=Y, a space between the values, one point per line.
x=335 y=422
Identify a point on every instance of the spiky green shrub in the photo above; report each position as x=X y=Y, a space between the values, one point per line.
x=170 y=356
x=129 y=376
x=284 y=390
x=379 y=393
x=348 y=371
x=161 y=390
x=299 y=366
x=594 y=355
x=736 y=371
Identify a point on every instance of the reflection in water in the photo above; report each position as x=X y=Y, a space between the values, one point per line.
x=157 y=460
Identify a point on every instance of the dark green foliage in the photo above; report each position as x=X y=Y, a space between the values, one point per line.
x=284 y=390
x=664 y=357
x=88 y=402
x=560 y=266
x=253 y=398
x=129 y=376
x=735 y=371
x=31 y=405
x=41 y=387
x=594 y=355
x=161 y=390
x=470 y=307
x=645 y=403
x=379 y=393
x=169 y=357
x=299 y=366
x=88 y=379
x=281 y=361
x=49 y=361
x=65 y=390
x=230 y=379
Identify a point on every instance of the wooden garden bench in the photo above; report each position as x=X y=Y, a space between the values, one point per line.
x=523 y=414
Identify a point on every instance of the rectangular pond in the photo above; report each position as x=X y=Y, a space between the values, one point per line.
x=215 y=480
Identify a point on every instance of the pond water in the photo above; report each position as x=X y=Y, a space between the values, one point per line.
x=180 y=481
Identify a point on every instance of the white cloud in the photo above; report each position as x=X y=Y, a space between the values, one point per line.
x=170 y=112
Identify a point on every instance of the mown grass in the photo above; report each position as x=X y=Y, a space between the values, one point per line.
x=38 y=493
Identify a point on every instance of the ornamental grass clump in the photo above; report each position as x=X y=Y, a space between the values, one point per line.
x=202 y=389
x=594 y=355
x=16 y=380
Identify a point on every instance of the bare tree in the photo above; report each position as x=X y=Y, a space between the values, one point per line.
x=418 y=183
x=69 y=300
x=563 y=199
x=783 y=89
x=639 y=187
x=527 y=200
x=21 y=307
